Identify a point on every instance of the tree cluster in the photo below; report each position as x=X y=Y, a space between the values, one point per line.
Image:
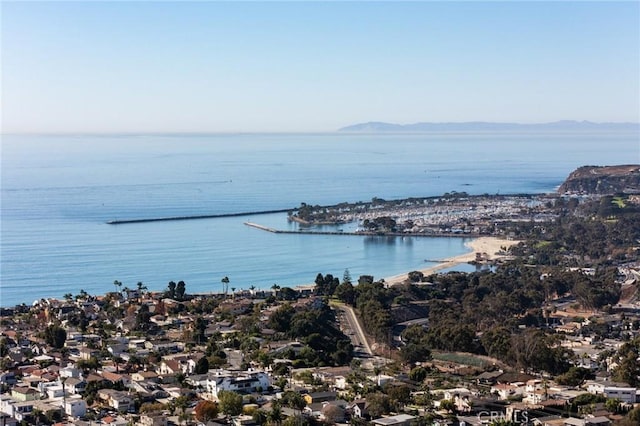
x=315 y=326
x=628 y=369
x=326 y=285
x=55 y=336
x=176 y=291
x=380 y=224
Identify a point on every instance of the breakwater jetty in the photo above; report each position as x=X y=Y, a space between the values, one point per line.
x=194 y=217
x=362 y=233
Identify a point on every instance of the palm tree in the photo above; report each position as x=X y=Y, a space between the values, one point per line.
x=141 y=287
x=225 y=285
x=117 y=361
x=118 y=284
x=275 y=415
x=275 y=288
x=82 y=295
x=377 y=370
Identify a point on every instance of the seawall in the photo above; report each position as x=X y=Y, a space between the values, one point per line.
x=205 y=216
x=360 y=234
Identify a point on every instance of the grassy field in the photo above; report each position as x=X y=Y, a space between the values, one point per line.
x=619 y=202
x=460 y=358
x=542 y=244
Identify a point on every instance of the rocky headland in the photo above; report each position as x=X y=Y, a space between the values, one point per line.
x=603 y=180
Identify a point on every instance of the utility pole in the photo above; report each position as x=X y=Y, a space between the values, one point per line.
x=64 y=398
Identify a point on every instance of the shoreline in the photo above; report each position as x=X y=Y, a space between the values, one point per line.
x=488 y=246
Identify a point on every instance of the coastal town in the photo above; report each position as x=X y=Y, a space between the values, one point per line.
x=545 y=332
x=319 y=213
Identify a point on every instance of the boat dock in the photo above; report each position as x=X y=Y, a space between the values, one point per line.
x=282 y=231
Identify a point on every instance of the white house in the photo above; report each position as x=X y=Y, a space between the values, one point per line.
x=536 y=391
x=622 y=392
x=398 y=420
x=243 y=382
x=358 y=408
x=341 y=382
x=22 y=410
x=75 y=385
x=118 y=400
x=459 y=396
x=177 y=364
x=504 y=390
x=70 y=371
x=55 y=391
x=75 y=407
x=591 y=421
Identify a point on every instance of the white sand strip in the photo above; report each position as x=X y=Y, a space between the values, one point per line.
x=488 y=246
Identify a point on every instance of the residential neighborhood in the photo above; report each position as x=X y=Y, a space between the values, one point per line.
x=143 y=358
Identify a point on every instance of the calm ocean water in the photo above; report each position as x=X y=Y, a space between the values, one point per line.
x=58 y=192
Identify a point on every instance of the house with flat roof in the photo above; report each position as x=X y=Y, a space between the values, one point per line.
x=315 y=397
x=398 y=420
x=620 y=391
x=117 y=400
x=76 y=407
x=593 y=421
x=153 y=419
x=75 y=385
x=243 y=382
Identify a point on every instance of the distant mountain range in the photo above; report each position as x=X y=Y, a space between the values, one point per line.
x=564 y=125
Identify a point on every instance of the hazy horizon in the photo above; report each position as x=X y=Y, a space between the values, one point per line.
x=329 y=131
x=313 y=67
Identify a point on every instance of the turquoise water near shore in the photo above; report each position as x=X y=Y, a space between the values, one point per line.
x=58 y=192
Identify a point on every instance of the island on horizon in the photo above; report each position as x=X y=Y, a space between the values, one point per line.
x=483 y=126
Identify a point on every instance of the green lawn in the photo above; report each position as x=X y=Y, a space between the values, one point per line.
x=619 y=202
x=542 y=244
x=466 y=359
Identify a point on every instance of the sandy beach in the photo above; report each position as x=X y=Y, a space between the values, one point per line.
x=488 y=246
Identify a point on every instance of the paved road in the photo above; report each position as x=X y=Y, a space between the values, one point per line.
x=358 y=338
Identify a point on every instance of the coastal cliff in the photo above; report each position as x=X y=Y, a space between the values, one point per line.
x=603 y=180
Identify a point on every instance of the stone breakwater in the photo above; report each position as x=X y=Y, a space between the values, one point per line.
x=361 y=233
x=206 y=216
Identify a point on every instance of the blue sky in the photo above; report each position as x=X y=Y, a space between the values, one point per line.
x=314 y=66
